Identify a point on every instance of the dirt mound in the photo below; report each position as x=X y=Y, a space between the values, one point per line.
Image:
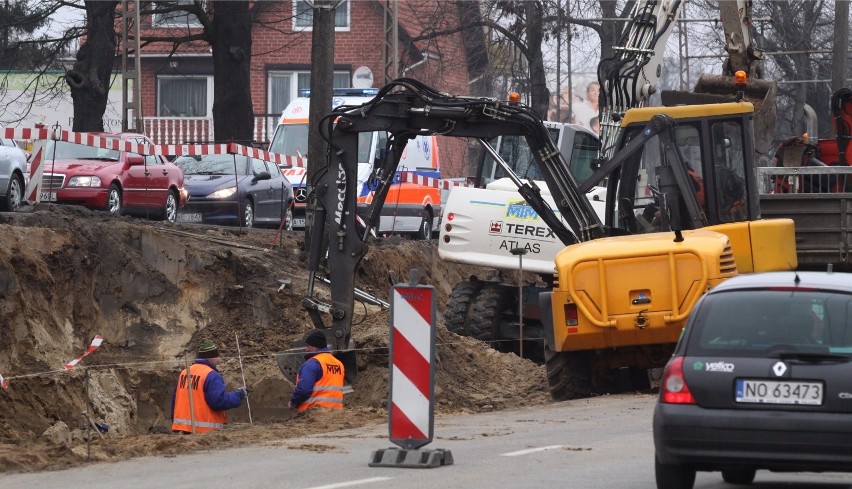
x=154 y=291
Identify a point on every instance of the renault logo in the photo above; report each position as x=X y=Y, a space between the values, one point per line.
x=301 y=194
x=779 y=369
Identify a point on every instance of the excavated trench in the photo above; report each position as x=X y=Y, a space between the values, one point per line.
x=154 y=291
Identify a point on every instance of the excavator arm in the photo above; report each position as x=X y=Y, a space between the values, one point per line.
x=629 y=77
x=404 y=109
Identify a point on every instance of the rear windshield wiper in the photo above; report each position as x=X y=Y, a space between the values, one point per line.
x=810 y=356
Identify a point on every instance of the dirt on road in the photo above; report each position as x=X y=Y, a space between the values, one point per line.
x=154 y=291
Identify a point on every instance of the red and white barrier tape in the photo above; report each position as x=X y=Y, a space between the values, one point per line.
x=107 y=142
x=94 y=346
x=190 y=149
x=84 y=138
x=413 y=177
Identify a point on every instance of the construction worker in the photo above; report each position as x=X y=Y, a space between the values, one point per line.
x=320 y=379
x=209 y=400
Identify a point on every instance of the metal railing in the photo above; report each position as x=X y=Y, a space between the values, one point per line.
x=182 y=130
x=804 y=179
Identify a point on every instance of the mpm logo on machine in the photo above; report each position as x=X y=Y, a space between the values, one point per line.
x=520 y=210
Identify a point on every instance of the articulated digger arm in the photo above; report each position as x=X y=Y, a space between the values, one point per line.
x=404 y=109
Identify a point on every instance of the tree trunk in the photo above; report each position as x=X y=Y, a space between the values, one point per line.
x=90 y=77
x=230 y=37
x=539 y=94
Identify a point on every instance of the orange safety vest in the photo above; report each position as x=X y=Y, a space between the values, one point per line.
x=698 y=185
x=328 y=391
x=206 y=419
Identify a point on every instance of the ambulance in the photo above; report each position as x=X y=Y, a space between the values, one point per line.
x=410 y=208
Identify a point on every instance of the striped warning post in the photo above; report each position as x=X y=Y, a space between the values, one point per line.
x=412 y=351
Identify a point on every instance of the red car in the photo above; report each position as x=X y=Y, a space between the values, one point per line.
x=118 y=182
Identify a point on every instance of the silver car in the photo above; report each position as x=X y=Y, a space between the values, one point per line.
x=13 y=174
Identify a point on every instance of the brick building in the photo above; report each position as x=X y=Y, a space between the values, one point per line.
x=177 y=81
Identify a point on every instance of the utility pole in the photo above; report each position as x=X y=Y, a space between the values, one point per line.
x=840 y=50
x=322 y=75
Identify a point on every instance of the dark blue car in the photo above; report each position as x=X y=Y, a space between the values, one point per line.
x=232 y=189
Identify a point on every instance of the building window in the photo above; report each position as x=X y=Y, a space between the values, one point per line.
x=284 y=86
x=303 y=16
x=178 y=18
x=184 y=96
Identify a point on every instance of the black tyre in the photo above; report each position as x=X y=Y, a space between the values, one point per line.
x=170 y=209
x=673 y=476
x=425 y=230
x=114 y=200
x=457 y=311
x=14 y=194
x=248 y=214
x=487 y=310
x=743 y=476
x=640 y=379
x=569 y=375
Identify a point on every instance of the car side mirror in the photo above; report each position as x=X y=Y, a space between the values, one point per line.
x=264 y=175
x=134 y=160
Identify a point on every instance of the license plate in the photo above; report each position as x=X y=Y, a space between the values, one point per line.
x=188 y=217
x=779 y=392
x=47 y=196
x=298 y=222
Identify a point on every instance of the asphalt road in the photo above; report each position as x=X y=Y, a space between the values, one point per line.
x=605 y=442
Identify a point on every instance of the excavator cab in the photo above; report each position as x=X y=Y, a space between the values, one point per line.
x=714 y=144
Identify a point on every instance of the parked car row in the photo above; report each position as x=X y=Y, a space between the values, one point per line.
x=214 y=189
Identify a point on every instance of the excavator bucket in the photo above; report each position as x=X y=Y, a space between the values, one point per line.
x=762 y=94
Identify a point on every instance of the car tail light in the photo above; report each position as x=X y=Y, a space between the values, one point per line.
x=451 y=216
x=673 y=389
x=446 y=238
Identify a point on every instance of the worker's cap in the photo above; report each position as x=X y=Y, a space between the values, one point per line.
x=208 y=350
x=316 y=338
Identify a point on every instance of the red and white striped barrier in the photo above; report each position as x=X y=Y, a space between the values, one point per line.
x=94 y=346
x=413 y=177
x=84 y=138
x=4 y=384
x=412 y=350
x=191 y=149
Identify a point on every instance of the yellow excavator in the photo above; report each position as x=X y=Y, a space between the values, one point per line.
x=682 y=214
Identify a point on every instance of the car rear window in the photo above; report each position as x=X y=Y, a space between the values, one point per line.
x=752 y=322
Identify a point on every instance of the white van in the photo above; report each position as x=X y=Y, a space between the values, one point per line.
x=409 y=208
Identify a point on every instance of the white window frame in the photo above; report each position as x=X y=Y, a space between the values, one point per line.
x=208 y=109
x=294 y=84
x=309 y=28
x=158 y=23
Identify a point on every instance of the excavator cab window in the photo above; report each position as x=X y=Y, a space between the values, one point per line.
x=638 y=208
x=584 y=150
x=729 y=189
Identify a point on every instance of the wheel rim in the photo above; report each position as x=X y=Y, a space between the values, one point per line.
x=426 y=228
x=113 y=201
x=248 y=216
x=171 y=208
x=15 y=194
